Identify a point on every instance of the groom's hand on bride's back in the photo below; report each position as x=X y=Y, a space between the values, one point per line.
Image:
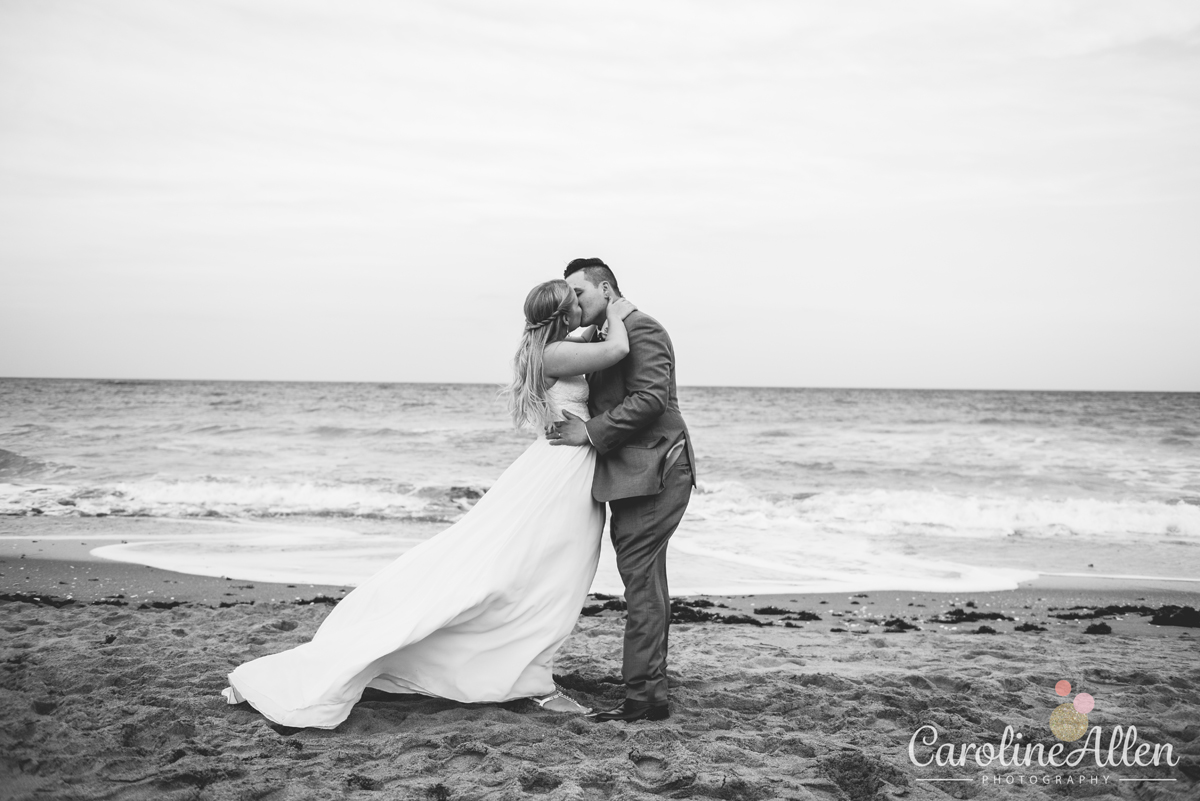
x=568 y=432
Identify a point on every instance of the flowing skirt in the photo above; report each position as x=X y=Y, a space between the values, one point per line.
x=473 y=614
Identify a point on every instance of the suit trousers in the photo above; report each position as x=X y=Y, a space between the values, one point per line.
x=641 y=527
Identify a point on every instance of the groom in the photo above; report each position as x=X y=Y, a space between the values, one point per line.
x=644 y=471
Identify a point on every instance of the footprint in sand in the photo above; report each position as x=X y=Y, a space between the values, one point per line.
x=466 y=758
x=594 y=791
x=650 y=768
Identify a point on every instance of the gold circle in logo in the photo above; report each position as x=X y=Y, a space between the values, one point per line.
x=1067 y=724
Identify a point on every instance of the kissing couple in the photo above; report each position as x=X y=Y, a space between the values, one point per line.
x=476 y=613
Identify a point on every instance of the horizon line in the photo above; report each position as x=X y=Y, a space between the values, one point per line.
x=690 y=386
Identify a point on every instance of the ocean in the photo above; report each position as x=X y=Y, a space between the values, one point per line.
x=799 y=489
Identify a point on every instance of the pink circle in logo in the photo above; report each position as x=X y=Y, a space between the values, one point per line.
x=1063 y=687
x=1084 y=703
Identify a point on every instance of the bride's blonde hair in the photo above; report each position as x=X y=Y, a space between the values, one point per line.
x=546 y=309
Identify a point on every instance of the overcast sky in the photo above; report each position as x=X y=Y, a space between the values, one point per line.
x=871 y=194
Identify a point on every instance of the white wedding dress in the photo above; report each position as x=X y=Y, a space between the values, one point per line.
x=474 y=614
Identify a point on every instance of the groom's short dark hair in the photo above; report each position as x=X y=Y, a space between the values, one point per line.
x=596 y=271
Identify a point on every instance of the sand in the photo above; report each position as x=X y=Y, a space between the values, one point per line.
x=120 y=699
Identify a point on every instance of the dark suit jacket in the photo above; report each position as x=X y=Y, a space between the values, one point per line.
x=635 y=415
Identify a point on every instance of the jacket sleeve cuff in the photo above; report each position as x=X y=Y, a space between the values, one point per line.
x=587 y=427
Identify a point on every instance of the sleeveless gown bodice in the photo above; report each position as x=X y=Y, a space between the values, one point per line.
x=569 y=394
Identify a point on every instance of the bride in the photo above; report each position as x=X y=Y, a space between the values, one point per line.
x=476 y=613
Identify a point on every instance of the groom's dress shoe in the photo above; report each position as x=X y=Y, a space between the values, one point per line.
x=634 y=710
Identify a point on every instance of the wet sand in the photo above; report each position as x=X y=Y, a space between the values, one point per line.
x=118 y=697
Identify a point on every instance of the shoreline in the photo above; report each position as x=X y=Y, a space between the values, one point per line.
x=26 y=541
x=66 y=577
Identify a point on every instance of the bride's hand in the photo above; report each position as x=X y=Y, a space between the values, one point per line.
x=620 y=308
